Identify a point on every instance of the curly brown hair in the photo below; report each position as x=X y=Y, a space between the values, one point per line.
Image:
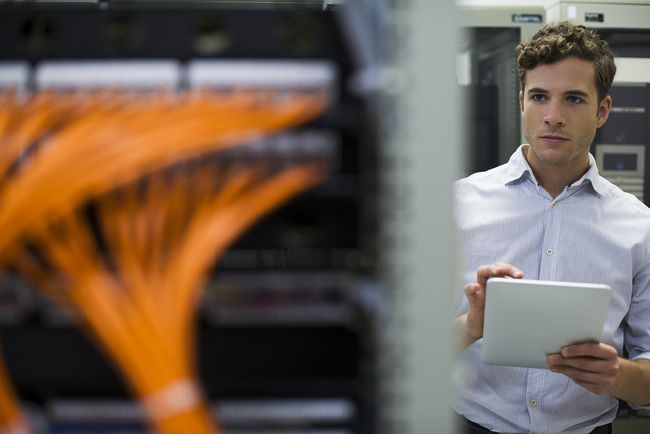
x=555 y=42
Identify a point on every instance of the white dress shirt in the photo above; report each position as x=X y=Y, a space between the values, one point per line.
x=591 y=232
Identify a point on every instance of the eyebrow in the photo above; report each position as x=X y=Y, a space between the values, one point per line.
x=576 y=92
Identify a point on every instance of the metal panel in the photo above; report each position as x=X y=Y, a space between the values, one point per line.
x=602 y=14
x=423 y=159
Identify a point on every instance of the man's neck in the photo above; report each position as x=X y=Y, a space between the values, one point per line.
x=554 y=178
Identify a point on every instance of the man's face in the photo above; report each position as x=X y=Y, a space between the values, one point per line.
x=561 y=113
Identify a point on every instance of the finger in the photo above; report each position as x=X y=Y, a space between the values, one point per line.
x=590 y=369
x=475 y=295
x=507 y=268
x=554 y=359
x=473 y=290
x=580 y=376
x=588 y=365
x=598 y=389
x=590 y=349
x=499 y=269
x=597 y=383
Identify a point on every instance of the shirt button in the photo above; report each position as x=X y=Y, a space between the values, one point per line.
x=553 y=205
x=533 y=402
x=549 y=252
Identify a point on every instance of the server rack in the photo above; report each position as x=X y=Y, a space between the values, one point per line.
x=287 y=336
x=488 y=77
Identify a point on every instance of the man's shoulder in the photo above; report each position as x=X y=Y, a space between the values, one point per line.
x=623 y=201
x=492 y=178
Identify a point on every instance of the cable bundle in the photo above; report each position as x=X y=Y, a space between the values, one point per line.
x=56 y=151
x=121 y=232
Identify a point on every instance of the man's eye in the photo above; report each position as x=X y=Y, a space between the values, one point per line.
x=538 y=97
x=574 y=99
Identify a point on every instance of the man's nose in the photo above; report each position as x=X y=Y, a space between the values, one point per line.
x=554 y=115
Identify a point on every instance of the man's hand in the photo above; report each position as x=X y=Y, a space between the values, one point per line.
x=470 y=325
x=593 y=365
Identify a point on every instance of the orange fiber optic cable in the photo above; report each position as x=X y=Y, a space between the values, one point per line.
x=137 y=290
x=12 y=419
x=139 y=297
x=14 y=140
x=113 y=141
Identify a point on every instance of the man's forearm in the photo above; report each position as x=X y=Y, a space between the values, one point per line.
x=633 y=381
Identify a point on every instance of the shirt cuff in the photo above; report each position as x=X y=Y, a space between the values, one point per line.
x=645 y=355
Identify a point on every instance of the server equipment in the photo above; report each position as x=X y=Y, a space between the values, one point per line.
x=287 y=333
x=488 y=76
x=621 y=145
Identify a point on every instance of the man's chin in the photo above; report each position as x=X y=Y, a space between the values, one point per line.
x=555 y=157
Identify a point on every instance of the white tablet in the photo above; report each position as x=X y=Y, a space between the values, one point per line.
x=527 y=319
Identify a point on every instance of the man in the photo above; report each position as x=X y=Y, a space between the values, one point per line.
x=548 y=215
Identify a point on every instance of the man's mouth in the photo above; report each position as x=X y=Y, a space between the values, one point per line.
x=553 y=138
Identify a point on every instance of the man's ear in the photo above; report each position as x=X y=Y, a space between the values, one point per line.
x=521 y=101
x=603 y=110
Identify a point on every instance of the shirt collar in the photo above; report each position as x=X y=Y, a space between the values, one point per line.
x=519 y=168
